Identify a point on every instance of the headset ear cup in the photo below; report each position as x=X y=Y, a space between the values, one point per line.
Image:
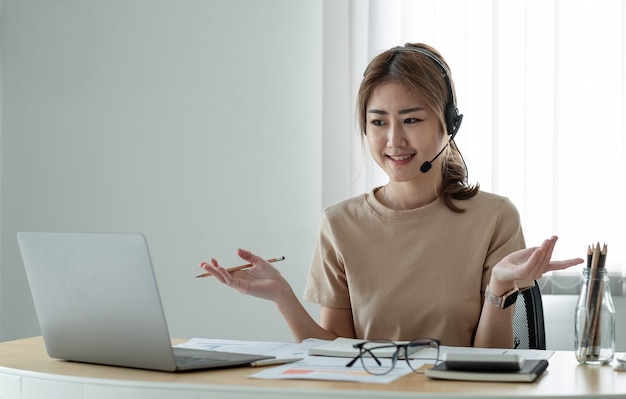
x=452 y=118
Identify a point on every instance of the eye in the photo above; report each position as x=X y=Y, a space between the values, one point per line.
x=410 y=121
x=377 y=122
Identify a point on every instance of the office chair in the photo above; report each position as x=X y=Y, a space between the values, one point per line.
x=528 y=324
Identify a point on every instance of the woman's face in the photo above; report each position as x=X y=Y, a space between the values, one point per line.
x=402 y=132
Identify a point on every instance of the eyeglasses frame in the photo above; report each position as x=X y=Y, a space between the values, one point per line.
x=428 y=343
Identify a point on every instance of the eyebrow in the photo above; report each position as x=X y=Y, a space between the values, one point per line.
x=401 y=112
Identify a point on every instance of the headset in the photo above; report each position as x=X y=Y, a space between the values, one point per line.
x=451 y=113
x=452 y=116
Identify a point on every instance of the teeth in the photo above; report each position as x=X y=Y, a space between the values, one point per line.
x=400 y=157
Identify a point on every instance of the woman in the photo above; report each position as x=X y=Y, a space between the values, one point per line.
x=426 y=255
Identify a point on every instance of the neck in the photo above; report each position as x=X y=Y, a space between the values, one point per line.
x=403 y=197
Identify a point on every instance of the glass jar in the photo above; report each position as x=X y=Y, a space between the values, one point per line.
x=595 y=319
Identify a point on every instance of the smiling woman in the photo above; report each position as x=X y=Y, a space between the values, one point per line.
x=386 y=261
x=518 y=74
x=409 y=115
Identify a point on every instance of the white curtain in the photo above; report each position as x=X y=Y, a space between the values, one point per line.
x=542 y=87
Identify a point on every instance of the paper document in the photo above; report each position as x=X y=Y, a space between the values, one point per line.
x=277 y=349
x=344 y=347
x=310 y=368
x=340 y=347
x=330 y=369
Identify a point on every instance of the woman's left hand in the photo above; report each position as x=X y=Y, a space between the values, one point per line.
x=530 y=264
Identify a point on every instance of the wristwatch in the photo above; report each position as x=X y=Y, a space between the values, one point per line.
x=507 y=299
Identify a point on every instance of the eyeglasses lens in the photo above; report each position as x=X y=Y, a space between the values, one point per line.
x=378 y=357
x=422 y=351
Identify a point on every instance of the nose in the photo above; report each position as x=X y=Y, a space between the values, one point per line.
x=395 y=136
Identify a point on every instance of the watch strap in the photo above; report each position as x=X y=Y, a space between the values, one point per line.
x=507 y=299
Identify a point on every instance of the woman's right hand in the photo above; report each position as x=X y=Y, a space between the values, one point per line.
x=261 y=279
x=264 y=281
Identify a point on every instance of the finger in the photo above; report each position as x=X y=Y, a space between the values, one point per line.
x=540 y=259
x=205 y=266
x=537 y=262
x=550 y=249
x=249 y=256
x=218 y=272
x=213 y=263
x=564 y=264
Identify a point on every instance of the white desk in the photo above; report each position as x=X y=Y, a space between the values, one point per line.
x=26 y=372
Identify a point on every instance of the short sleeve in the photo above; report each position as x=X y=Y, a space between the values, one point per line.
x=327 y=284
x=507 y=238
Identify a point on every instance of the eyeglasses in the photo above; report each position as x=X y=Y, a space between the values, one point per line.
x=379 y=357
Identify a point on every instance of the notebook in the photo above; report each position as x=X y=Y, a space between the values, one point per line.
x=530 y=371
x=97 y=301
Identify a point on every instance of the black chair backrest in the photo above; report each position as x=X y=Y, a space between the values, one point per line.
x=528 y=324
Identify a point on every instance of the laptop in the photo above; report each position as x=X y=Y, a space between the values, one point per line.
x=97 y=301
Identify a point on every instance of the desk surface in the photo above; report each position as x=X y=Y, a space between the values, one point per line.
x=26 y=371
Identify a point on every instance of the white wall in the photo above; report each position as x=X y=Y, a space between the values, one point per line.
x=195 y=122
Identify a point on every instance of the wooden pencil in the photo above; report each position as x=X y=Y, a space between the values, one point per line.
x=240 y=267
x=596 y=296
x=590 y=305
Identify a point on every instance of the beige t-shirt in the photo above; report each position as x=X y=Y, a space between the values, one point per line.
x=411 y=274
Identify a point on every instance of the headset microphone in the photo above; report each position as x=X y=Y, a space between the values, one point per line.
x=429 y=164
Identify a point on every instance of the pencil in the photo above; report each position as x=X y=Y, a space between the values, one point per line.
x=273 y=362
x=234 y=269
x=594 y=302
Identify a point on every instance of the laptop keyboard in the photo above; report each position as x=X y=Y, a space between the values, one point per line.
x=192 y=360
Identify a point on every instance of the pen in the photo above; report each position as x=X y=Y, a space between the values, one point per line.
x=234 y=269
x=272 y=362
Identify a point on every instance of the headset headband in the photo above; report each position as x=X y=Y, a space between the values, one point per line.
x=451 y=112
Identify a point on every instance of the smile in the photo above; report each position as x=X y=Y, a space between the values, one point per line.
x=401 y=157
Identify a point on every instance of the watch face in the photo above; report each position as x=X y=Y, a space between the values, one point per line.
x=510 y=300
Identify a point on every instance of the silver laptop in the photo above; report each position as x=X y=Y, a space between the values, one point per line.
x=97 y=301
